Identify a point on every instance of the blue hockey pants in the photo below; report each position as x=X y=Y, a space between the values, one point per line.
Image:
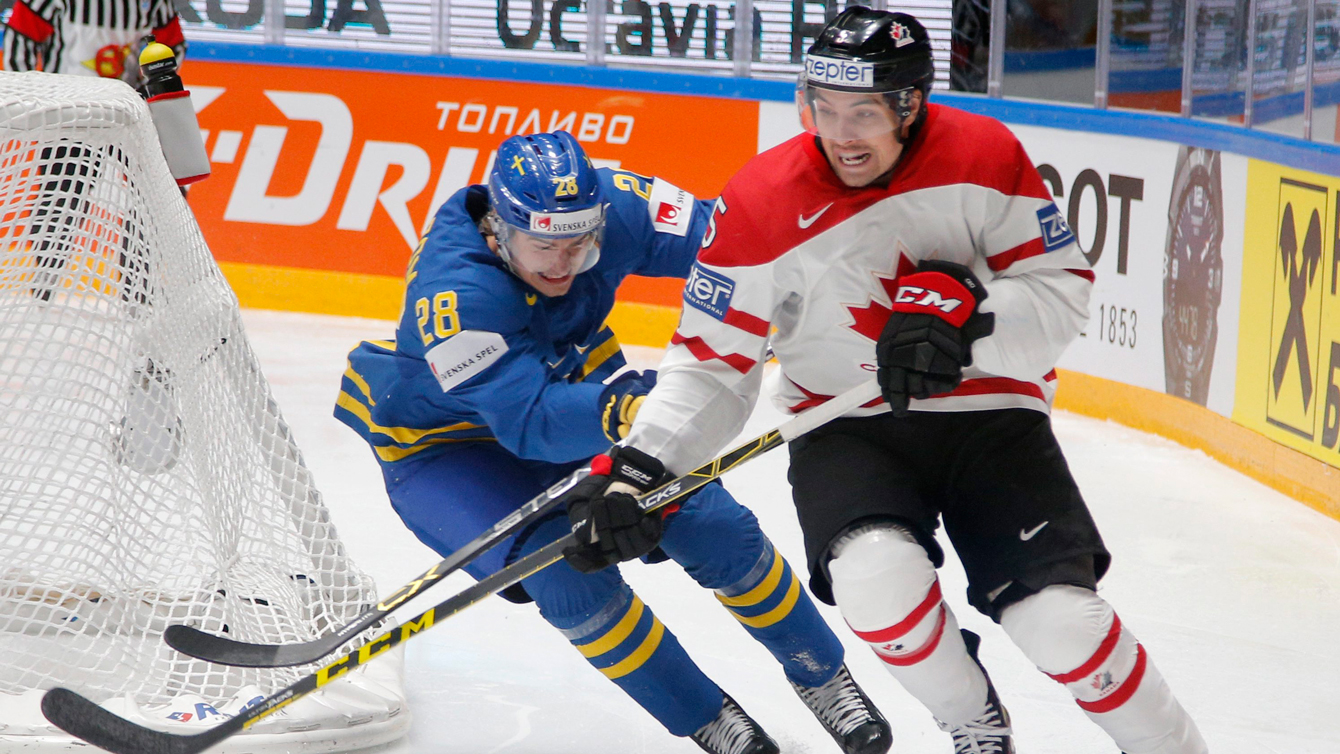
x=451 y=497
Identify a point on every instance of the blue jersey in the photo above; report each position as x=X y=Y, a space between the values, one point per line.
x=480 y=356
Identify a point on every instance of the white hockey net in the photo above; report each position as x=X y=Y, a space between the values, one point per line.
x=146 y=475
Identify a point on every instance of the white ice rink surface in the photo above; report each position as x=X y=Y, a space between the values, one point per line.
x=1232 y=587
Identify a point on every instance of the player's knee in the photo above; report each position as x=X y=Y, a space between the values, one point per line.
x=711 y=512
x=1074 y=636
x=1059 y=628
x=880 y=575
x=564 y=595
x=567 y=597
x=716 y=540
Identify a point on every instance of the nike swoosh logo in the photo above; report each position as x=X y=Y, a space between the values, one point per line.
x=1030 y=533
x=806 y=222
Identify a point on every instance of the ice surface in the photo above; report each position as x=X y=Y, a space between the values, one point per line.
x=1233 y=588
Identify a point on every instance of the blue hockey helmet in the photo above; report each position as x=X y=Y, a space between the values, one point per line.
x=544 y=186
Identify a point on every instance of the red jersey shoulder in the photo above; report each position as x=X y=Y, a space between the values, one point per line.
x=773 y=174
x=781 y=199
x=964 y=130
x=963 y=147
x=761 y=202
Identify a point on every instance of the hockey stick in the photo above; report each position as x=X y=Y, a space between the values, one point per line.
x=86 y=720
x=224 y=651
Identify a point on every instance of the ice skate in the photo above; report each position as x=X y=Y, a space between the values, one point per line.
x=734 y=732
x=989 y=732
x=848 y=715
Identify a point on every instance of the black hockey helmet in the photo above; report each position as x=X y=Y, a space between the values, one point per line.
x=865 y=50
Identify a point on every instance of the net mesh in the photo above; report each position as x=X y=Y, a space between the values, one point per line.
x=147 y=477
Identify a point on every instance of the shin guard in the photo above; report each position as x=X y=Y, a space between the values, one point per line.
x=618 y=634
x=630 y=646
x=1075 y=637
x=888 y=592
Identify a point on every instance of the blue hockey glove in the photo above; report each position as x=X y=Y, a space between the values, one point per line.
x=605 y=516
x=622 y=399
x=928 y=338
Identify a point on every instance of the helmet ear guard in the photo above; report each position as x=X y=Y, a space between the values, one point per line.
x=901 y=101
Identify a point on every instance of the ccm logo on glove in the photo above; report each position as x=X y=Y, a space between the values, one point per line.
x=928 y=339
x=606 y=517
x=913 y=298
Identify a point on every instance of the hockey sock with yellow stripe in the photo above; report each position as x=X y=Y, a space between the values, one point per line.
x=776 y=610
x=629 y=645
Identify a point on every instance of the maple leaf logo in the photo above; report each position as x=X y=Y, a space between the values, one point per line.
x=869 y=320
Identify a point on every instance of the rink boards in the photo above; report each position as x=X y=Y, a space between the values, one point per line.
x=1215 y=248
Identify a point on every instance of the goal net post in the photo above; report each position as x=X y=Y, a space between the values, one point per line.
x=147 y=477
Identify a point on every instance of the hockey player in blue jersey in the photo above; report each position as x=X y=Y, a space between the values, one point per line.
x=497 y=385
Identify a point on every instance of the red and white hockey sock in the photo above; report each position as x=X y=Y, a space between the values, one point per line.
x=1076 y=638
x=888 y=592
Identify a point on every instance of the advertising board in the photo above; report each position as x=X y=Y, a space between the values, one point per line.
x=1150 y=217
x=1288 y=382
x=323 y=178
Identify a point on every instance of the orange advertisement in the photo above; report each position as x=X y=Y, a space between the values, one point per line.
x=326 y=177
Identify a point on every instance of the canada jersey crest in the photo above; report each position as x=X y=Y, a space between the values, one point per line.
x=868 y=318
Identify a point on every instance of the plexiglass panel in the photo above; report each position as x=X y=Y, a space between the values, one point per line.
x=1218 y=78
x=1049 y=50
x=1146 y=69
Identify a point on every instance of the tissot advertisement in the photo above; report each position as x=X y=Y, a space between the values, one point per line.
x=1149 y=217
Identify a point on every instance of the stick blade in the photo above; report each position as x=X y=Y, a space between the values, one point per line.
x=83 y=719
x=224 y=651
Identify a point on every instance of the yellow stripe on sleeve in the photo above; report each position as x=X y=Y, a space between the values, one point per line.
x=402 y=435
x=393 y=453
x=358 y=380
x=599 y=356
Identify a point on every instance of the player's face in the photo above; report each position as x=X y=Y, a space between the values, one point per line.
x=859 y=134
x=549 y=264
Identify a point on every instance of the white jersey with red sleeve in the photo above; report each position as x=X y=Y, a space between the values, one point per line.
x=793 y=253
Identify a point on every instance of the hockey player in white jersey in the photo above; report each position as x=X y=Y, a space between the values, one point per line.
x=915 y=243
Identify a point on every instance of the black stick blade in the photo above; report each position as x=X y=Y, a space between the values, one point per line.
x=224 y=651
x=83 y=719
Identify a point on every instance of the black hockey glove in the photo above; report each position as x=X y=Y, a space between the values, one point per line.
x=621 y=400
x=605 y=516
x=928 y=338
